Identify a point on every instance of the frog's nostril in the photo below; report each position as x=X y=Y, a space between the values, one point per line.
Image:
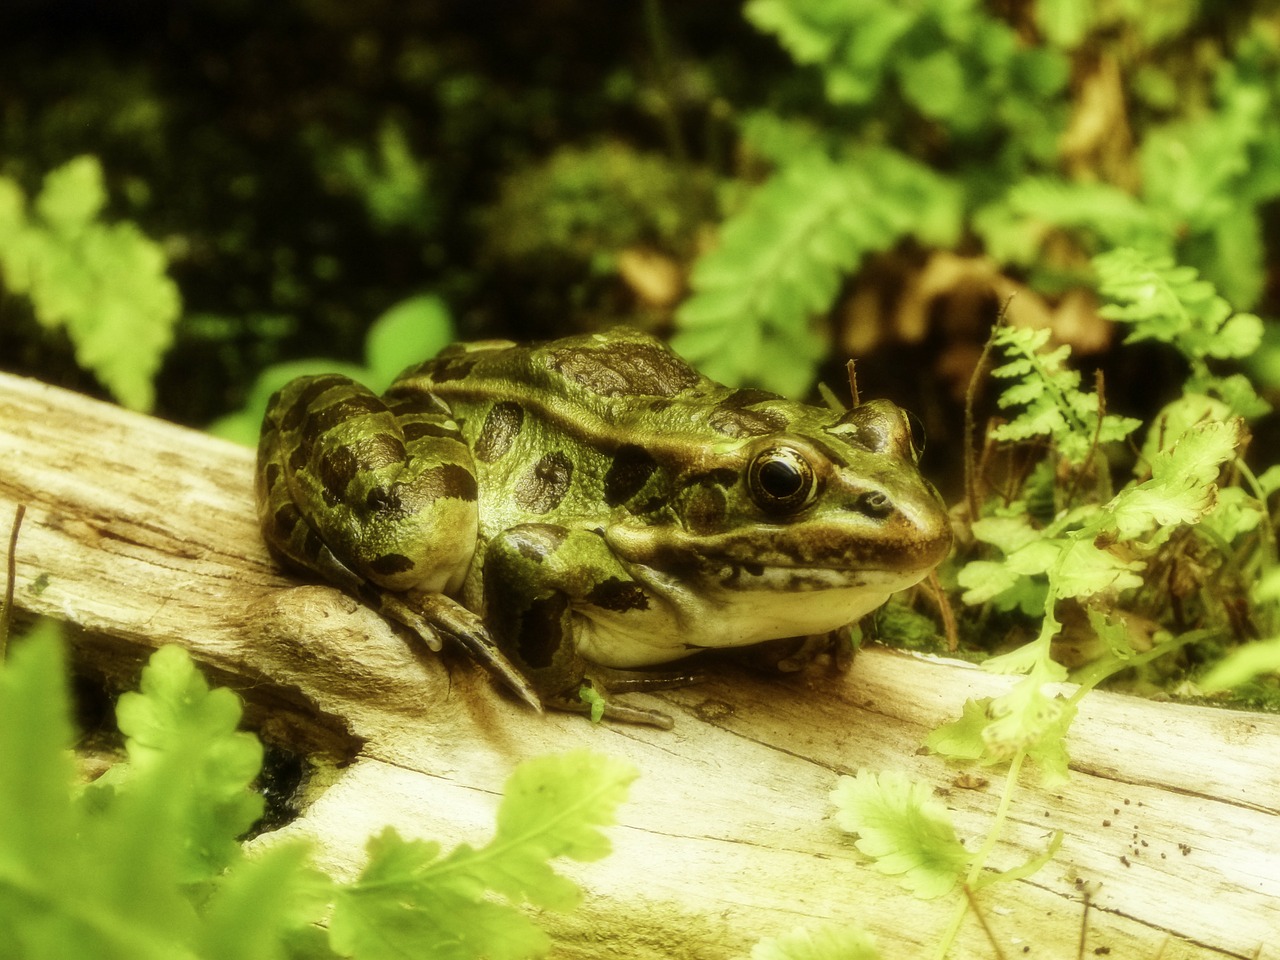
x=873 y=504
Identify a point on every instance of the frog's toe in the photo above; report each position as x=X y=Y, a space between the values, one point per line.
x=609 y=709
x=433 y=614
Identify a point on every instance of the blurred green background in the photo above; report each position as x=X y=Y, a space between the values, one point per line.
x=194 y=192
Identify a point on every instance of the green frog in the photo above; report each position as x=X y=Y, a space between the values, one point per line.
x=575 y=510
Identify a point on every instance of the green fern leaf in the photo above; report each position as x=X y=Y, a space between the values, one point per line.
x=1048 y=393
x=1170 y=303
x=104 y=283
x=411 y=902
x=782 y=259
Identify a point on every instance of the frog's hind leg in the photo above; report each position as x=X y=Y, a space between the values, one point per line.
x=389 y=491
x=377 y=497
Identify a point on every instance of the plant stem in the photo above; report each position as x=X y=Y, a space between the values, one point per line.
x=980 y=858
x=6 y=613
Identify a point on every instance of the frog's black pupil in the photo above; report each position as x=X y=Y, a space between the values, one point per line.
x=781 y=479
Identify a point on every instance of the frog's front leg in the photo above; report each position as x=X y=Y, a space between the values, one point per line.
x=543 y=585
x=378 y=497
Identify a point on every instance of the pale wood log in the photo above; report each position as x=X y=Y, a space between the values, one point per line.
x=139 y=533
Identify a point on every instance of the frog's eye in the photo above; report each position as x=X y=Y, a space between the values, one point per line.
x=781 y=480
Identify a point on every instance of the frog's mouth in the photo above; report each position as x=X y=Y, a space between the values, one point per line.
x=793 y=564
x=817 y=557
x=749 y=577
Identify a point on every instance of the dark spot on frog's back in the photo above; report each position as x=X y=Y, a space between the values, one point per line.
x=286 y=518
x=731 y=418
x=624 y=369
x=618 y=595
x=631 y=469
x=542 y=488
x=502 y=424
x=748 y=397
x=541 y=630
x=322 y=419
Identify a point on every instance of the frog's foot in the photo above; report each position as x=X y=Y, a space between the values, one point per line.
x=433 y=614
x=793 y=654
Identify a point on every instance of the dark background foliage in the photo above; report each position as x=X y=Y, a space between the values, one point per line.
x=224 y=127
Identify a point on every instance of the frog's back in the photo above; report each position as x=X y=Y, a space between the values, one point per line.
x=599 y=371
x=609 y=390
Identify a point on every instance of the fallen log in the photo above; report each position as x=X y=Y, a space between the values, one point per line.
x=139 y=533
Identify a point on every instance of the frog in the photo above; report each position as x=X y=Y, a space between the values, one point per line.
x=580 y=514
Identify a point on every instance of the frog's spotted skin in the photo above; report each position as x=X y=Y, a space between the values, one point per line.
x=594 y=501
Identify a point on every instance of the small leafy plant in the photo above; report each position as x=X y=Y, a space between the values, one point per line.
x=1181 y=554
x=145 y=862
x=1065 y=542
x=104 y=284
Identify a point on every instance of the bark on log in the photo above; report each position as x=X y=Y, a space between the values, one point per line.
x=139 y=533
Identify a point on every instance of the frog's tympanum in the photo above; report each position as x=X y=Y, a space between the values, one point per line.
x=572 y=510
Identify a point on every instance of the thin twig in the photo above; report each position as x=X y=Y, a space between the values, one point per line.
x=1099 y=390
x=1084 y=926
x=6 y=613
x=970 y=399
x=982 y=920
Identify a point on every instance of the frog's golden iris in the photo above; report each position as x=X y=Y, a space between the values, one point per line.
x=570 y=508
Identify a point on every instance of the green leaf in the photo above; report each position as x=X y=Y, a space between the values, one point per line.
x=907 y=833
x=181 y=731
x=404 y=334
x=782 y=258
x=1027 y=719
x=962 y=739
x=935 y=83
x=1242 y=665
x=1169 y=303
x=827 y=941
x=1182 y=488
x=36 y=822
x=1064 y=22
x=410 y=901
x=104 y=283
x=951 y=62
x=73 y=195
x=258 y=906
x=79 y=879
x=1053 y=405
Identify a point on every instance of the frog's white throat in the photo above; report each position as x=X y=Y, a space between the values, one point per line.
x=744 y=608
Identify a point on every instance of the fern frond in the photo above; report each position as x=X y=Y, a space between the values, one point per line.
x=1170 y=303
x=1053 y=405
x=782 y=258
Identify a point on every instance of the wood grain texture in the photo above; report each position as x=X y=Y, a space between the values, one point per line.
x=139 y=533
